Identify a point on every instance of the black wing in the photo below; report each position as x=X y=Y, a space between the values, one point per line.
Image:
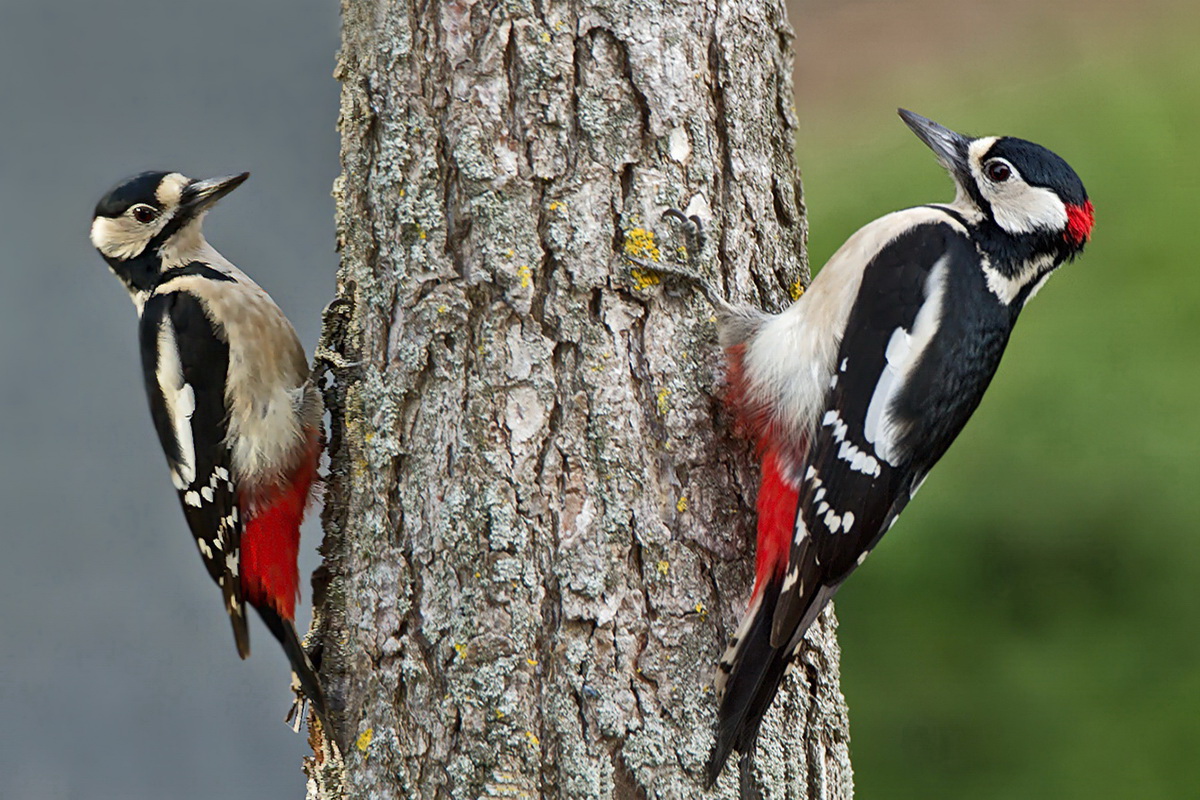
x=185 y=361
x=922 y=342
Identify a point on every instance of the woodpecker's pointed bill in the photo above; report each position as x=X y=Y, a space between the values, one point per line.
x=855 y=391
x=949 y=147
x=230 y=396
x=199 y=196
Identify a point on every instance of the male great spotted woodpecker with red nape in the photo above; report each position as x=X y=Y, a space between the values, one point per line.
x=855 y=391
x=229 y=393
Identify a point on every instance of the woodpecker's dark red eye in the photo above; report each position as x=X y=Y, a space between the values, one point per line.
x=145 y=214
x=998 y=171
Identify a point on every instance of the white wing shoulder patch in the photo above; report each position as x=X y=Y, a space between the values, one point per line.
x=180 y=402
x=904 y=351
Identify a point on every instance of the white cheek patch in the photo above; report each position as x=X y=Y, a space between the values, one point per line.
x=180 y=401
x=124 y=237
x=904 y=351
x=119 y=237
x=1020 y=208
x=1017 y=207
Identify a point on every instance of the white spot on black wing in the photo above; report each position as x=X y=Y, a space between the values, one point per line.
x=789 y=580
x=801 y=530
x=858 y=459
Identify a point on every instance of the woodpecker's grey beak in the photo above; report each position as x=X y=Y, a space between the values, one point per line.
x=949 y=147
x=199 y=196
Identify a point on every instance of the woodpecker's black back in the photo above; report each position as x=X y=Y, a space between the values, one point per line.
x=840 y=477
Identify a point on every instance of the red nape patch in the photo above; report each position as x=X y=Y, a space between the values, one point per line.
x=1079 y=223
x=777 y=501
x=271 y=540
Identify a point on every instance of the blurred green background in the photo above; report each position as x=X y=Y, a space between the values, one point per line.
x=1030 y=627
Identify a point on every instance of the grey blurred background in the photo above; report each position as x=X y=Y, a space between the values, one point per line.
x=118 y=674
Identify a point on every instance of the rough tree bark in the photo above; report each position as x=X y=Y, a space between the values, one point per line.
x=539 y=525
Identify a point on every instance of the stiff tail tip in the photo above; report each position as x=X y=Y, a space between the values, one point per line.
x=751 y=672
x=305 y=683
x=298 y=713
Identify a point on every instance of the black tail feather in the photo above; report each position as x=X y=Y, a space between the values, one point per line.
x=754 y=680
x=754 y=670
x=747 y=788
x=303 y=668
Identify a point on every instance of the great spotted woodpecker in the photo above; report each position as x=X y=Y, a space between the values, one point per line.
x=230 y=396
x=855 y=391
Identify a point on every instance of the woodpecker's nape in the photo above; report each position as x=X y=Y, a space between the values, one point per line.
x=230 y=395
x=855 y=391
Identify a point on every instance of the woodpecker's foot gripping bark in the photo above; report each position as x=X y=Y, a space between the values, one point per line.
x=693 y=231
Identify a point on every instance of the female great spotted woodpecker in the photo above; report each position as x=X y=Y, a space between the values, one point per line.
x=855 y=391
x=230 y=396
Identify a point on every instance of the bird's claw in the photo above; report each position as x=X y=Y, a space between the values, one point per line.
x=693 y=230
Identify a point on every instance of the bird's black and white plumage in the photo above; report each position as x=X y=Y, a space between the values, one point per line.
x=230 y=395
x=858 y=388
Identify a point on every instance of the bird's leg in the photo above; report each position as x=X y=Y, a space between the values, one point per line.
x=298 y=713
x=693 y=231
x=692 y=279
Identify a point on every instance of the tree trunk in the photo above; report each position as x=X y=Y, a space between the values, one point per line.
x=539 y=525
